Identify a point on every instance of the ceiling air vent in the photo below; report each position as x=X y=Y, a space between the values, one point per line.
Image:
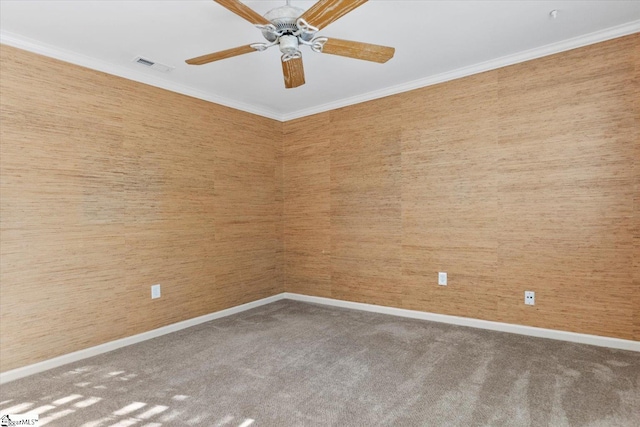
x=152 y=64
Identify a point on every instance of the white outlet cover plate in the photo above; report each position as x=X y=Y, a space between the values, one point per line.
x=155 y=291
x=529 y=297
x=442 y=279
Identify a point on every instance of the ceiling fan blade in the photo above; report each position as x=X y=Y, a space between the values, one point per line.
x=243 y=11
x=358 y=50
x=324 y=12
x=293 y=72
x=223 y=54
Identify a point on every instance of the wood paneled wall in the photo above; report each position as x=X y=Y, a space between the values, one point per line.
x=522 y=178
x=109 y=186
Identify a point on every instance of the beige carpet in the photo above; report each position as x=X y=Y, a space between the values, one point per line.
x=296 y=364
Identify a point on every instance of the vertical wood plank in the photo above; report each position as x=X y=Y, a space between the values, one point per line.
x=366 y=221
x=247 y=211
x=307 y=208
x=568 y=134
x=449 y=197
x=635 y=90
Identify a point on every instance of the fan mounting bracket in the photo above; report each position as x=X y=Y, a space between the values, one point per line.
x=292 y=55
x=306 y=31
x=261 y=47
x=269 y=31
x=316 y=44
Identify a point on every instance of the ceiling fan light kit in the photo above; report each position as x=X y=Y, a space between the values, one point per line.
x=290 y=28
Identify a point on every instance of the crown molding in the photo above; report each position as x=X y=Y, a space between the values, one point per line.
x=550 y=49
x=40 y=48
x=95 y=64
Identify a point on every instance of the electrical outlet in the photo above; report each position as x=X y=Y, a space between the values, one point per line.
x=442 y=279
x=529 y=298
x=155 y=291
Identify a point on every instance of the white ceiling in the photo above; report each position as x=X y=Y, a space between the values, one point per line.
x=435 y=41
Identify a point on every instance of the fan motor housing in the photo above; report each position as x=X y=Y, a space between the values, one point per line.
x=284 y=18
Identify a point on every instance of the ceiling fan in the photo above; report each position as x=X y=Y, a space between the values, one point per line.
x=290 y=28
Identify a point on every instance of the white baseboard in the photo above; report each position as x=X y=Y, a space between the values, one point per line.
x=553 y=334
x=25 y=371
x=596 y=340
